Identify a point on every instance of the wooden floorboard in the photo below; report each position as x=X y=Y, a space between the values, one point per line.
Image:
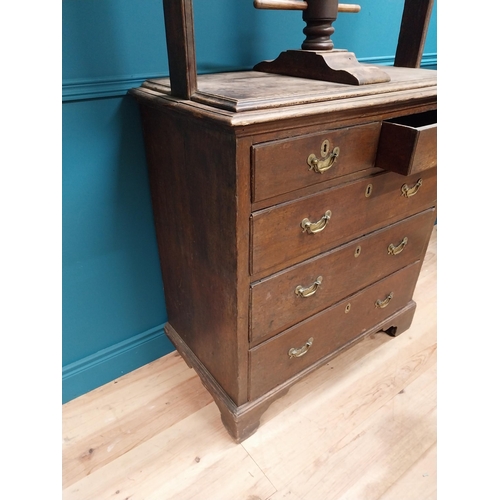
x=362 y=427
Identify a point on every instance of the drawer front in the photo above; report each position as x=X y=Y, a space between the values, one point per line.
x=307 y=288
x=408 y=145
x=283 y=166
x=285 y=234
x=276 y=360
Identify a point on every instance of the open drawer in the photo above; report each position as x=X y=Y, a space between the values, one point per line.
x=408 y=144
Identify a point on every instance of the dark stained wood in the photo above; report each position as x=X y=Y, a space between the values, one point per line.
x=313 y=188
x=250 y=97
x=210 y=232
x=243 y=421
x=194 y=190
x=412 y=34
x=282 y=166
x=319 y=17
x=318 y=60
x=278 y=240
x=276 y=306
x=179 y=27
x=409 y=144
x=270 y=362
x=152 y=420
x=240 y=421
x=328 y=65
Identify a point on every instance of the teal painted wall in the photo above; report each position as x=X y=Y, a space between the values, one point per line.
x=113 y=309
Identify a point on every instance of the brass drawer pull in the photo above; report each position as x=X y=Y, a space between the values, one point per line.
x=393 y=250
x=408 y=191
x=384 y=303
x=311 y=290
x=316 y=227
x=297 y=353
x=328 y=158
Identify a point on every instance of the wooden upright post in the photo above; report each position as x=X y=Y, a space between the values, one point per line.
x=179 y=27
x=414 y=24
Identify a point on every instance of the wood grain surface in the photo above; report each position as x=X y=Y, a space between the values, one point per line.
x=361 y=427
x=278 y=240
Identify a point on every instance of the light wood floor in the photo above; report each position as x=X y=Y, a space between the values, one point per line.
x=363 y=427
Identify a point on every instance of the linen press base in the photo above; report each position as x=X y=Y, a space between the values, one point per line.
x=242 y=421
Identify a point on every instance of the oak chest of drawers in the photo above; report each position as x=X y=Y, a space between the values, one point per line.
x=292 y=217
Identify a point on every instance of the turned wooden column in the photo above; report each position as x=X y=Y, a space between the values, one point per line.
x=319 y=17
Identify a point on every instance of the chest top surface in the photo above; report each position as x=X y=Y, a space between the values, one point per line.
x=249 y=97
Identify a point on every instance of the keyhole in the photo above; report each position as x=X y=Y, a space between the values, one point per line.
x=357 y=251
x=369 y=190
x=347 y=308
x=325 y=147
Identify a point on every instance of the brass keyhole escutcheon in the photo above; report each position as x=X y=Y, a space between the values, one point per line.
x=369 y=190
x=328 y=158
x=357 y=252
x=347 y=308
x=325 y=147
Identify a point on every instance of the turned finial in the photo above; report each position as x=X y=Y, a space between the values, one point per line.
x=318 y=16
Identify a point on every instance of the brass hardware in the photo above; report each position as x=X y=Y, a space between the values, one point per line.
x=325 y=147
x=297 y=353
x=394 y=250
x=357 y=251
x=347 y=308
x=329 y=158
x=310 y=290
x=316 y=227
x=384 y=303
x=411 y=191
x=369 y=190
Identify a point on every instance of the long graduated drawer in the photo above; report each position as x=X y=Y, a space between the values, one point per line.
x=298 y=292
x=307 y=342
x=291 y=232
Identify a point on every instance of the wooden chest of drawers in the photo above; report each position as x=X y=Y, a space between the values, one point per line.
x=292 y=217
